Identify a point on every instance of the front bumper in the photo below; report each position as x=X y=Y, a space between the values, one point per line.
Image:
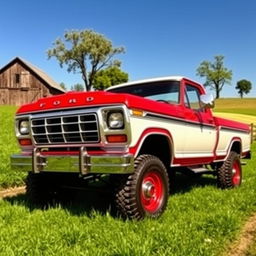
x=82 y=163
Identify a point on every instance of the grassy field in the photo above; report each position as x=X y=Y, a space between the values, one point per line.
x=200 y=218
x=8 y=146
x=238 y=117
x=245 y=106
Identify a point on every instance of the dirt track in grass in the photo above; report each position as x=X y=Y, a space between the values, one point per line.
x=12 y=191
x=246 y=238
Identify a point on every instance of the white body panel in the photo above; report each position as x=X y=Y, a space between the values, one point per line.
x=226 y=137
x=200 y=141
x=188 y=140
x=185 y=136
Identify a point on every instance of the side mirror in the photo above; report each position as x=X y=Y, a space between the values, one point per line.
x=207 y=101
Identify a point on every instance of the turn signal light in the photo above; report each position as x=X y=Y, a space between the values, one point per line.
x=120 y=138
x=137 y=112
x=25 y=142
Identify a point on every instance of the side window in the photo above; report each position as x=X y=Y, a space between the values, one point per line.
x=192 y=97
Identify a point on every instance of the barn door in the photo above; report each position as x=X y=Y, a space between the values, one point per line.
x=25 y=81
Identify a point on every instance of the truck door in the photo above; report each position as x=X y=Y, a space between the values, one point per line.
x=200 y=138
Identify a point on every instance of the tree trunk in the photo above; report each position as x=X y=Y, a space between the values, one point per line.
x=217 y=94
x=87 y=86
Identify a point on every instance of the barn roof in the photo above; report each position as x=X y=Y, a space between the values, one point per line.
x=50 y=82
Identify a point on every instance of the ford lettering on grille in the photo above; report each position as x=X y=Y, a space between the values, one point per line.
x=68 y=129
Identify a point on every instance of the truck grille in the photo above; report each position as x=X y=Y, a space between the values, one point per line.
x=67 y=129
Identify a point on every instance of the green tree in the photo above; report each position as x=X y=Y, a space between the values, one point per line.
x=63 y=86
x=243 y=86
x=86 y=52
x=110 y=76
x=215 y=73
x=77 y=87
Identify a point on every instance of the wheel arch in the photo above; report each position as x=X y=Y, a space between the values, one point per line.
x=159 y=144
x=236 y=146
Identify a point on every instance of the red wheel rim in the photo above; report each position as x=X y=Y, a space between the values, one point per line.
x=152 y=191
x=236 y=172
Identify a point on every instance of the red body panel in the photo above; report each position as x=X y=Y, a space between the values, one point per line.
x=100 y=98
x=192 y=161
x=231 y=124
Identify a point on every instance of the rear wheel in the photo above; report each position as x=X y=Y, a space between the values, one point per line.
x=229 y=175
x=146 y=191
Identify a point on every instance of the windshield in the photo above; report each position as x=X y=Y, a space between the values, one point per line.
x=167 y=91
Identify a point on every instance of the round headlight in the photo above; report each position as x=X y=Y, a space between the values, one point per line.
x=115 y=120
x=24 y=127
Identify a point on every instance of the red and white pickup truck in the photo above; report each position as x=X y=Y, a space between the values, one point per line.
x=135 y=134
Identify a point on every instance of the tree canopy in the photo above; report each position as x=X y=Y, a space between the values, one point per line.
x=63 y=86
x=215 y=73
x=86 y=52
x=77 y=87
x=243 y=86
x=110 y=76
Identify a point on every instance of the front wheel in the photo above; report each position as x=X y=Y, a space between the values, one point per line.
x=229 y=175
x=145 y=192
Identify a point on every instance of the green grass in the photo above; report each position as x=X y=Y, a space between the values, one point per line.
x=245 y=106
x=200 y=219
x=8 y=145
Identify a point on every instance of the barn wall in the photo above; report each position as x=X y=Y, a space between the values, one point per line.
x=18 y=86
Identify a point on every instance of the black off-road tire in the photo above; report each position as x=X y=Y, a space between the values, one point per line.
x=145 y=192
x=41 y=189
x=229 y=175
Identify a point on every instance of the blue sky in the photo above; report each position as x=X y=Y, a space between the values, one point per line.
x=161 y=37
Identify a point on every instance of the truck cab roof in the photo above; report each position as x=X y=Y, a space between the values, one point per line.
x=151 y=80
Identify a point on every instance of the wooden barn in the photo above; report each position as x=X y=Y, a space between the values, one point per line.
x=21 y=83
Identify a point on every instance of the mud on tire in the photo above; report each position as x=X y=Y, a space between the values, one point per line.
x=145 y=192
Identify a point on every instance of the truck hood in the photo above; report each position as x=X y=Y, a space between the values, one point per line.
x=94 y=99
